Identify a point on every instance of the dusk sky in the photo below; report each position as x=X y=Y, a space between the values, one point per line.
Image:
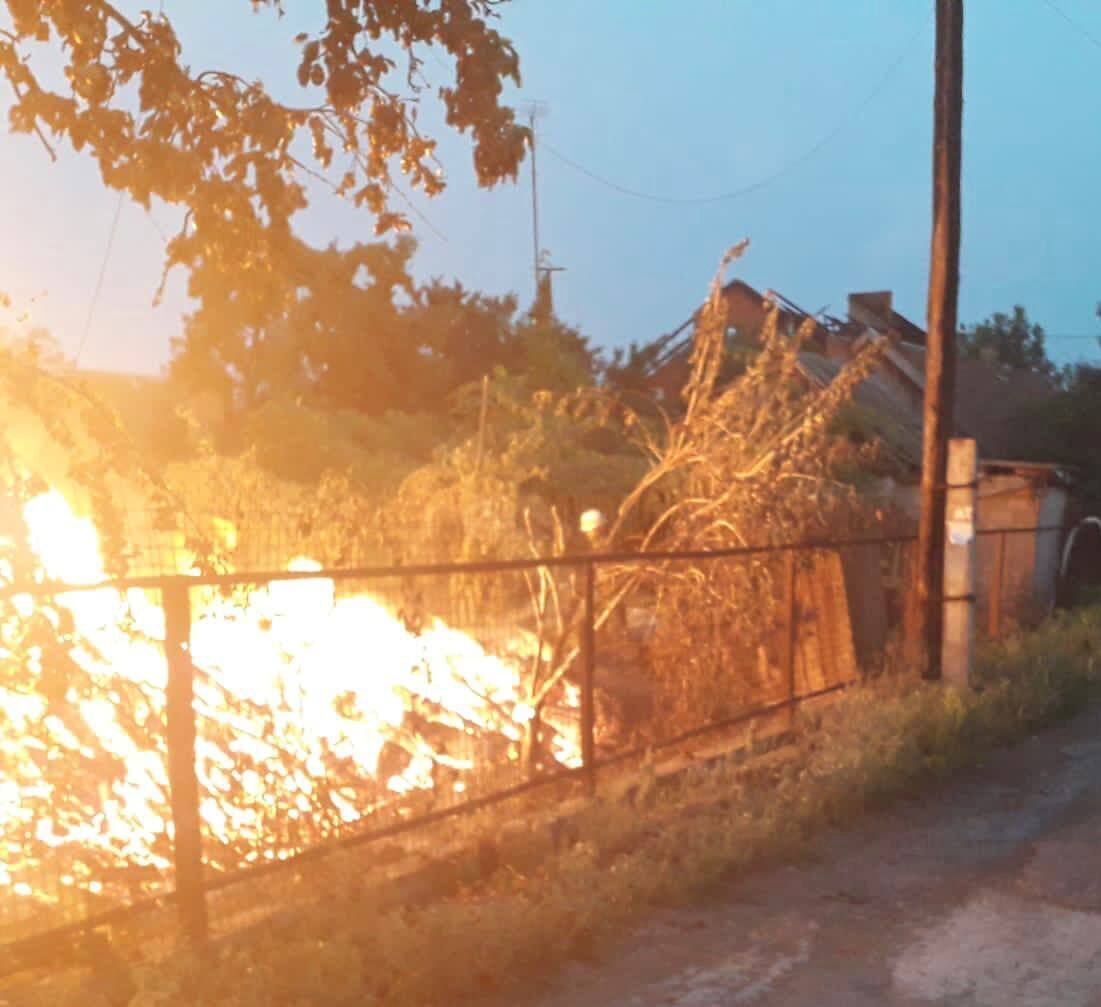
x=681 y=101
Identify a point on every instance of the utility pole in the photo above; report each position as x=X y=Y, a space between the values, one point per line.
x=542 y=270
x=535 y=110
x=940 y=351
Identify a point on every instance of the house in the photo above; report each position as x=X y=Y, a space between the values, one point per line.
x=987 y=394
x=746 y=311
x=1018 y=573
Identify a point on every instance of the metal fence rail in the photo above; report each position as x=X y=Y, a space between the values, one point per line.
x=595 y=692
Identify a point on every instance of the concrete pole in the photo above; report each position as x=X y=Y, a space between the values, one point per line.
x=959 y=562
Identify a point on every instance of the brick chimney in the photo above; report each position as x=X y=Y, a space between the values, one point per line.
x=872 y=309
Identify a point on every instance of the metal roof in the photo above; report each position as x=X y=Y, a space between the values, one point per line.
x=892 y=418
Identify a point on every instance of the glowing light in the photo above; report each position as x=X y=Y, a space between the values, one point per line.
x=66 y=546
x=300 y=693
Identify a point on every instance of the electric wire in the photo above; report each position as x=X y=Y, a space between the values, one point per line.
x=1087 y=35
x=745 y=190
x=99 y=282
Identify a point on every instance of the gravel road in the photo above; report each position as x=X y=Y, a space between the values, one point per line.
x=984 y=891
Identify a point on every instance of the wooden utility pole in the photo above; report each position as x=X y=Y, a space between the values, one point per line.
x=940 y=352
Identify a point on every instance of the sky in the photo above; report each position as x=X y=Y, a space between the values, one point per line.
x=813 y=116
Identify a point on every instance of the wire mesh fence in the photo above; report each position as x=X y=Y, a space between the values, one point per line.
x=322 y=708
x=229 y=730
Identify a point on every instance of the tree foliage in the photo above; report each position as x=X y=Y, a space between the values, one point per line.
x=232 y=153
x=464 y=333
x=349 y=332
x=275 y=315
x=1067 y=429
x=461 y=336
x=1012 y=340
x=327 y=327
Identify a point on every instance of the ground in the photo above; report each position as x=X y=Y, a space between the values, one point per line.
x=985 y=890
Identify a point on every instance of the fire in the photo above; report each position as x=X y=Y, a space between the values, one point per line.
x=314 y=710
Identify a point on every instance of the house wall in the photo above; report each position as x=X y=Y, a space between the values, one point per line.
x=744 y=308
x=1049 y=547
x=746 y=311
x=1030 y=566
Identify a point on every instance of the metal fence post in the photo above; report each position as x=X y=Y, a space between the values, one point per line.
x=588 y=675
x=183 y=781
x=787 y=658
x=994 y=625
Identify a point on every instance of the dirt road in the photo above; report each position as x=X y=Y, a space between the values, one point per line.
x=986 y=891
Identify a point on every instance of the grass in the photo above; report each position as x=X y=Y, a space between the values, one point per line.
x=664 y=844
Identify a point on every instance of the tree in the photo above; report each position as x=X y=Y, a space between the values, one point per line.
x=232 y=155
x=630 y=370
x=1011 y=340
x=551 y=356
x=464 y=333
x=348 y=330
x=468 y=335
x=1067 y=429
x=325 y=327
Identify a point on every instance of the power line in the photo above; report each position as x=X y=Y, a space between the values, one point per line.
x=1087 y=35
x=420 y=214
x=156 y=226
x=99 y=282
x=769 y=179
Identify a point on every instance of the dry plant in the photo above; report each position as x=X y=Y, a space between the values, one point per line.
x=746 y=464
x=743 y=465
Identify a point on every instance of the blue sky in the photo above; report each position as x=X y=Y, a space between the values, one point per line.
x=678 y=99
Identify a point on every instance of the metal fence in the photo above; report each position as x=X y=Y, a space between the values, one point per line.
x=240 y=732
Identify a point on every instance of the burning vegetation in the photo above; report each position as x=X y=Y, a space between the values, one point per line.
x=323 y=704
x=316 y=709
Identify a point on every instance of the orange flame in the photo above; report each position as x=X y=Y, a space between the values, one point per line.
x=298 y=693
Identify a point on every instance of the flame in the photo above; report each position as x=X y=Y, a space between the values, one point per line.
x=66 y=546
x=314 y=710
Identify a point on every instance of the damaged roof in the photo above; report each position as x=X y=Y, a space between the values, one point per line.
x=888 y=413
